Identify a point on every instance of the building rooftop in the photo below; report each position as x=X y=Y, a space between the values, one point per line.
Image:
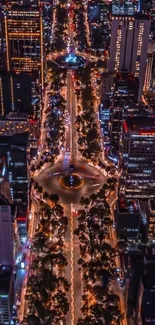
x=15 y=139
x=125 y=84
x=4 y=200
x=136 y=16
x=105 y=104
x=152 y=204
x=24 y=7
x=124 y=77
x=140 y=125
x=5 y=278
x=147 y=308
x=138 y=109
x=148 y=277
x=128 y=206
x=17 y=116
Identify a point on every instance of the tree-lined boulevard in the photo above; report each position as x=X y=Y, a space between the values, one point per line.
x=72 y=271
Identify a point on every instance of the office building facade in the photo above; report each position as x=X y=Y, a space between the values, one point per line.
x=7 y=298
x=151 y=218
x=149 y=66
x=2 y=42
x=24 y=40
x=126 y=88
x=145 y=311
x=128 y=218
x=14 y=149
x=6 y=232
x=104 y=113
x=98 y=18
x=19 y=123
x=125 y=8
x=20 y=93
x=137 y=158
x=129 y=45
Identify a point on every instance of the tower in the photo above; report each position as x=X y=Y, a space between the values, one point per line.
x=24 y=40
x=149 y=66
x=6 y=232
x=125 y=89
x=129 y=45
x=137 y=157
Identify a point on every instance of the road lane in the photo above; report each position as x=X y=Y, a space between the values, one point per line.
x=72 y=249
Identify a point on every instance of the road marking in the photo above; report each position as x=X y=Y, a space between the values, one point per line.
x=72 y=271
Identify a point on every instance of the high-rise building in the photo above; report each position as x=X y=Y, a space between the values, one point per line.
x=137 y=157
x=149 y=66
x=129 y=45
x=104 y=114
x=6 y=232
x=98 y=17
x=151 y=218
x=140 y=285
x=147 y=6
x=2 y=42
x=145 y=311
x=107 y=83
x=126 y=88
x=47 y=7
x=20 y=93
x=128 y=218
x=6 y=294
x=14 y=149
x=24 y=40
x=128 y=8
x=19 y=123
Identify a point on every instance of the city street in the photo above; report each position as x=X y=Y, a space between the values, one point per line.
x=49 y=177
x=49 y=180
x=93 y=180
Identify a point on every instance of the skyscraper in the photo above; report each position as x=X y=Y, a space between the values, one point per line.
x=14 y=149
x=145 y=311
x=137 y=157
x=6 y=294
x=149 y=66
x=129 y=45
x=125 y=7
x=128 y=218
x=24 y=40
x=20 y=93
x=98 y=17
x=6 y=232
x=104 y=118
x=151 y=215
x=2 y=36
x=126 y=88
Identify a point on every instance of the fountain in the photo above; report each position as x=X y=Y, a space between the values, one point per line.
x=70 y=60
x=71 y=181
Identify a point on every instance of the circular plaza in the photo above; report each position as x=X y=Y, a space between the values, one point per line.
x=71 y=181
x=70 y=61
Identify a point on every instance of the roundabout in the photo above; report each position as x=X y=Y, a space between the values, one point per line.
x=71 y=181
x=54 y=177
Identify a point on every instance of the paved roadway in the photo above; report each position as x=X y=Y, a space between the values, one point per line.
x=49 y=179
x=116 y=286
x=93 y=180
x=71 y=103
